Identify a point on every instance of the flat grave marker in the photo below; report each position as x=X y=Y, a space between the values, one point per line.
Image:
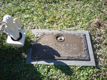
x=61 y=47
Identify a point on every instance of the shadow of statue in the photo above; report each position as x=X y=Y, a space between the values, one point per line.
x=64 y=69
x=45 y=53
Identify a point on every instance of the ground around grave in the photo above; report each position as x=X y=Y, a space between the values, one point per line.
x=88 y=15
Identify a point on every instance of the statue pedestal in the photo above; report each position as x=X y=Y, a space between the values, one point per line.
x=19 y=43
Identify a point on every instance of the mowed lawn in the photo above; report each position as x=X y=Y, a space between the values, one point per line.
x=88 y=15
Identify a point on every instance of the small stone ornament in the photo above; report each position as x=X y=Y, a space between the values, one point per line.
x=12 y=27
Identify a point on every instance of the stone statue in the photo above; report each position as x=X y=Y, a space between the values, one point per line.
x=12 y=26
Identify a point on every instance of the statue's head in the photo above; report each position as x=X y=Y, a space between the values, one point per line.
x=7 y=19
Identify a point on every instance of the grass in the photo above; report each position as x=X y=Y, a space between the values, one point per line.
x=88 y=15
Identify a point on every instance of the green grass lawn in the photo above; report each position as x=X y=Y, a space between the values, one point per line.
x=88 y=15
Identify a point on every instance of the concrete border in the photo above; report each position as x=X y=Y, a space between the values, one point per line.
x=91 y=62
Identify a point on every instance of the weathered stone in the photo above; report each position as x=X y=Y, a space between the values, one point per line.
x=61 y=45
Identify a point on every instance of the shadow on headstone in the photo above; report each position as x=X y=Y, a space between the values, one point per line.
x=46 y=53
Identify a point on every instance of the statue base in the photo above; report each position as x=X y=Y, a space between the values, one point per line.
x=19 y=43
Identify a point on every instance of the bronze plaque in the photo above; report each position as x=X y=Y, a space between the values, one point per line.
x=60 y=46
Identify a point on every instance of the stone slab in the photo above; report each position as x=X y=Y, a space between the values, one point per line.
x=90 y=62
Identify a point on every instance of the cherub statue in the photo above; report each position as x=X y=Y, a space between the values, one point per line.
x=12 y=27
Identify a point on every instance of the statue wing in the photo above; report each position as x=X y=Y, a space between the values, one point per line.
x=18 y=23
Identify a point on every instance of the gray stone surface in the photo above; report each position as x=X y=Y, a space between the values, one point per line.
x=91 y=62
